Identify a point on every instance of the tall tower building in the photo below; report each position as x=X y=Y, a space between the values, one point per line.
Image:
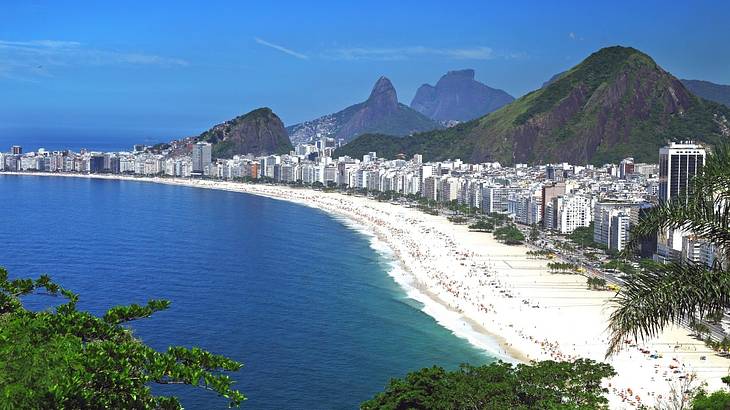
x=678 y=164
x=201 y=157
x=548 y=193
x=625 y=168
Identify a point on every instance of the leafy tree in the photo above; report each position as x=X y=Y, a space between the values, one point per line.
x=534 y=233
x=66 y=358
x=620 y=265
x=499 y=386
x=509 y=234
x=583 y=236
x=563 y=267
x=719 y=400
x=459 y=220
x=596 y=283
x=482 y=225
x=662 y=295
x=649 y=264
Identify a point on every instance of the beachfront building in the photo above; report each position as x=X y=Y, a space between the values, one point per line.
x=202 y=152
x=612 y=223
x=550 y=192
x=496 y=198
x=558 y=196
x=678 y=163
x=571 y=211
x=625 y=168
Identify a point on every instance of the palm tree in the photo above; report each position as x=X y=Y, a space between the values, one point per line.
x=667 y=294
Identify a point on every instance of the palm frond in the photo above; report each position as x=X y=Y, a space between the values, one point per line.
x=653 y=299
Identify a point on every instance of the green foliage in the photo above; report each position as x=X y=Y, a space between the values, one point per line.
x=509 y=234
x=482 y=225
x=620 y=265
x=595 y=70
x=66 y=358
x=719 y=400
x=649 y=264
x=578 y=106
x=596 y=283
x=459 y=220
x=534 y=233
x=259 y=131
x=499 y=386
x=541 y=254
x=563 y=267
x=583 y=236
x=433 y=145
x=658 y=296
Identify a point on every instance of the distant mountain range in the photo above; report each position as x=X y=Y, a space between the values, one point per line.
x=457 y=96
x=709 y=91
x=258 y=132
x=380 y=113
x=616 y=103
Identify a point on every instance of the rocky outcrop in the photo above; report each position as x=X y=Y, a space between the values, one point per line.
x=457 y=96
x=259 y=132
x=616 y=103
x=380 y=113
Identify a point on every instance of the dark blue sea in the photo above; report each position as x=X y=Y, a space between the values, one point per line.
x=304 y=301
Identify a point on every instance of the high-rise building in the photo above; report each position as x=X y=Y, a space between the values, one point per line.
x=201 y=157
x=572 y=211
x=17 y=150
x=548 y=193
x=626 y=167
x=678 y=164
x=96 y=164
x=620 y=225
x=496 y=198
x=611 y=223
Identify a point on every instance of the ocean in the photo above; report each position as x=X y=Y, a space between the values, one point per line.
x=309 y=303
x=31 y=139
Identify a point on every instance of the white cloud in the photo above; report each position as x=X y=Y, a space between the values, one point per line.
x=405 y=53
x=33 y=58
x=574 y=36
x=281 y=48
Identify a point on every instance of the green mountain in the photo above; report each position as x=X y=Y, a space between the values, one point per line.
x=258 y=132
x=616 y=103
x=718 y=93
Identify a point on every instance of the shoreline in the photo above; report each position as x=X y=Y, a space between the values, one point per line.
x=496 y=290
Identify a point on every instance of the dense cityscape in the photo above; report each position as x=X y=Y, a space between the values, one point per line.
x=556 y=197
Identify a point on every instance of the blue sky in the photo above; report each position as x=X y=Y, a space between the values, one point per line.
x=170 y=69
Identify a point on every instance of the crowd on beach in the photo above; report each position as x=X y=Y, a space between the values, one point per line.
x=470 y=282
x=538 y=316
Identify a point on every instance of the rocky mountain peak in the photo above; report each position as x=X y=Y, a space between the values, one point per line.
x=466 y=74
x=457 y=96
x=383 y=95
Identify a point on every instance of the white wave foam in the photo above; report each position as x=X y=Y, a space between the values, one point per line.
x=445 y=317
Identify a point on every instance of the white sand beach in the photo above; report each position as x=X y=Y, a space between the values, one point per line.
x=506 y=297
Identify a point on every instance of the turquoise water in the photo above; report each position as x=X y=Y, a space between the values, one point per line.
x=302 y=300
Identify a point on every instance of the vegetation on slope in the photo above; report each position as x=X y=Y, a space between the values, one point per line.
x=499 y=386
x=257 y=132
x=66 y=358
x=618 y=102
